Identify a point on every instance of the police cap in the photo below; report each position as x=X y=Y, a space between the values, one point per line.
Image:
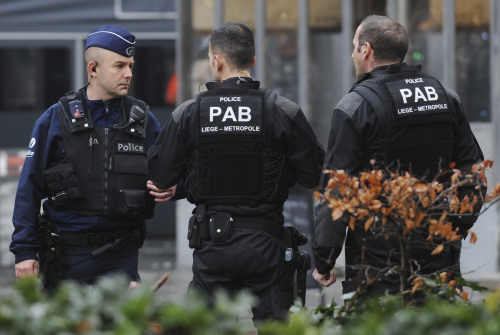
x=112 y=38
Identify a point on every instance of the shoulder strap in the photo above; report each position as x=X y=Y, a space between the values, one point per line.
x=270 y=98
x=369 y=93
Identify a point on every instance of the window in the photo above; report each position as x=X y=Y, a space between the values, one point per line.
x=33 y=78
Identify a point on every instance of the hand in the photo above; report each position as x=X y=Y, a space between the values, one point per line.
x=326 y=279
x=160 y=194
x=27 y=269
x=134 y=284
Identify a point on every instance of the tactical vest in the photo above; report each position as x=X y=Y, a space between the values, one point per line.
x=105 y=169
x=417 y=131
x=235 y=161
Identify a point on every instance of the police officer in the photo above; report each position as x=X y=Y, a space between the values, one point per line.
x=87 y=156
x=395 y=116
x=239 y=148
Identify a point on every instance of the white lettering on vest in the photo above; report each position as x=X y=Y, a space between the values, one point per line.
x=214 y=111
x=414 y=80
x=229 y=115
x=209 y=129
x=430 y=95
x=244 y=114
x=130 y=147
x=229 y=99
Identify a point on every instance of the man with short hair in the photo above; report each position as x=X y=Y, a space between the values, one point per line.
x=394 y=118
x=88 y=159
x=240 y=148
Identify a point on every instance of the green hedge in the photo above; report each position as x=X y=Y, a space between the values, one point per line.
x=106 y=309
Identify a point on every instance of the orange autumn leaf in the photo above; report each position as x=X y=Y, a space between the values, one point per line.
x=410 y=224
x=473 y=237
x=376 y=205
x=352 y=222
x=425 y=202
x=337 y=214
x=369 y=222
x=420 y=188
x=438 y=250
x=432 y=193
x=419 y=218
x=465 y=296
x=443 y=216
x=387 y=210
x=417 y=283
x=317 y=195
x=444 y=276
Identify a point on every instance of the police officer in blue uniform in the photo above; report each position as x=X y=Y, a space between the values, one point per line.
x=87 y=158
x=394 y=117
x=239 y=149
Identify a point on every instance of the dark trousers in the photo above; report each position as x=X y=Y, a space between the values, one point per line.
x=85 y=269
x=251 y=260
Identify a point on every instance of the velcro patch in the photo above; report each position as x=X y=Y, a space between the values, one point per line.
x=417 y=96
x=130 y=147
x=231 y=115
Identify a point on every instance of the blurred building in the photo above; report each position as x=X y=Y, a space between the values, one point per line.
x=303 y=51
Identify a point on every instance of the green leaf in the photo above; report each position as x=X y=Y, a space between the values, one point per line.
x=473 y=286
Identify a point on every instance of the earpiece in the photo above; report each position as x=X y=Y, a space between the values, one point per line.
x=96 y=63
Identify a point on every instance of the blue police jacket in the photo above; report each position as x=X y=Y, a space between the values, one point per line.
x=46 y=148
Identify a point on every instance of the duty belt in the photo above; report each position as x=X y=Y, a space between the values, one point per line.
x=87 y=239
x=267 y=226
x=250 y=223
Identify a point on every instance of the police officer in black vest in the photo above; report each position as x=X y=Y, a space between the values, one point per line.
x=239 y=149
x=87 y=157
x=395 y=117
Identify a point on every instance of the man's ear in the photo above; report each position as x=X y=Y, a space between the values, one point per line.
x=218 y=60
x=253 y=62
x=91 y=67
x=367 y=50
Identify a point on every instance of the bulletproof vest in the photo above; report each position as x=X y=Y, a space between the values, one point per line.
x=105 y=169
x=235 y=162
x=415 y=113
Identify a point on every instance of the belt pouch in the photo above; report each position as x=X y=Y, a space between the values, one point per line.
x=194 y=236
x=221 y=227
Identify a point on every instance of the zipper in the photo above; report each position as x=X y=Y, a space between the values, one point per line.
x=106 y=174
x=58 y=194
x=92 y=154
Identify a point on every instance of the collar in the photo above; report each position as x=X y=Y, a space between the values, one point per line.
x=93 y=104
x=234 y=82
x=391 y=68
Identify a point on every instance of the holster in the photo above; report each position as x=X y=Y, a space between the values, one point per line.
x=298 y=260
x=300 y=276
x=198 y=223
x=50 y=254
x=221 y=227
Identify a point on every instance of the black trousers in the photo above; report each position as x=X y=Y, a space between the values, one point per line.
x=251 y=260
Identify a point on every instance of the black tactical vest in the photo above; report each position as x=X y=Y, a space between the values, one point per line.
x=415 y=113
x=105 y=169
x=235 y=161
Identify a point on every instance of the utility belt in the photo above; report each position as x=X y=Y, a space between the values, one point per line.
x=96 y=239
x=218 y=227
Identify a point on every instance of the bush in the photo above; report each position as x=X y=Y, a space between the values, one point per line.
x=105 y=309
